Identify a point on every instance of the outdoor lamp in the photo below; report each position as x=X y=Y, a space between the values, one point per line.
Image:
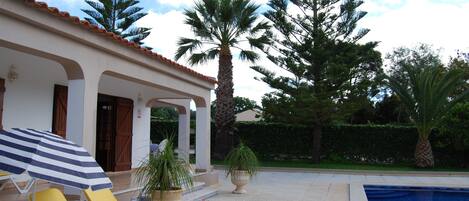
x=12 y=74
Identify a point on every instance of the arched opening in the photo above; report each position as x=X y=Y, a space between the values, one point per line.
x=33 y=94
x=123 y=122
x=171 y=118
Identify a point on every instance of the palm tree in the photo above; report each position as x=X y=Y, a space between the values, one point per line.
x=118 y=16
x=221 y=26
x=427 y=98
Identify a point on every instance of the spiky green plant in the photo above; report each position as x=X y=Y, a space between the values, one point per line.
x=241 y=158
x=163 y=172
x=427 y=98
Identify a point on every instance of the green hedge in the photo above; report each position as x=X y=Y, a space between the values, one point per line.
x=378 y=144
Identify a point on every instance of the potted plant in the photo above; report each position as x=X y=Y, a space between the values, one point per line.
x=163 y=175
x=241 y=164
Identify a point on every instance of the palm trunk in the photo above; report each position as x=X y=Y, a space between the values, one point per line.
x=317 y=135
x=224 y=115
x=424 y=154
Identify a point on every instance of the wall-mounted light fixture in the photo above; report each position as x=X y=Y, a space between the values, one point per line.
x=139 y=98
x=12 y=74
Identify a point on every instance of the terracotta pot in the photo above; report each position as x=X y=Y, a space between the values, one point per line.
x=240 y=178
x=171 y=195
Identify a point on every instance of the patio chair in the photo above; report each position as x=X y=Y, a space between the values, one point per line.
x=8 y=177
x=51 y=194
x=5 y=178
x=158 y=148
x=100 y=195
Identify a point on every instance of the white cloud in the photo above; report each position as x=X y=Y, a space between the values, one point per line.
x=399 y=23
x=176 y=3
x=179 y=3
x=393 y=22
x=442 y=25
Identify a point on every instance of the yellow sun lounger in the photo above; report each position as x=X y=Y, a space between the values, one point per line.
x=8 y=177
x=51 y=194
x=99 y=195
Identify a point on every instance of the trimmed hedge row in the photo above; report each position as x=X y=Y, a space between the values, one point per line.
x=379 y=144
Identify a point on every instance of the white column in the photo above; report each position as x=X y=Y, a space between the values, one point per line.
x=81 y=116
x=81 y=112
x=202 y=139
x=184 y=135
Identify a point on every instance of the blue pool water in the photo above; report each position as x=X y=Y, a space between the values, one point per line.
x=404 y=193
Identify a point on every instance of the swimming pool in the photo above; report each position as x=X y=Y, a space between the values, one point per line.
x=408 y=193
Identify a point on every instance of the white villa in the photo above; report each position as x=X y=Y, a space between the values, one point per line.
x=61 y=74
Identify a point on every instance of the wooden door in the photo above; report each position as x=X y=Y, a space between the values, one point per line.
x=2 y=95
x=105 y=132
x=59 y=117
x=123 y=146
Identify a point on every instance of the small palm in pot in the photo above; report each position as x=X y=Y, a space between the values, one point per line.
x=163 y=175
x=241 y=164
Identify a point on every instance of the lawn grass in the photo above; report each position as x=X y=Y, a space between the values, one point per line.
x=349 y=166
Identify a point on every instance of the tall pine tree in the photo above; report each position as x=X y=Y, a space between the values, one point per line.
x=118 y=16
x=316 y=41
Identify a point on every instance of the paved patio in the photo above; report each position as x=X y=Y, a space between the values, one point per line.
x=122 y=182
x=291 y=184
x=280 y=185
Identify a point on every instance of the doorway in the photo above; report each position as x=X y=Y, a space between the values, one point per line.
x=59 y=116
x=113 y=128
x=114 y=133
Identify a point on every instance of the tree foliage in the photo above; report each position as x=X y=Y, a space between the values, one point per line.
x=241 y=104
x=462 y=64
x=164 y=113
x=222 y=25
x=391 y=110
x=119 y=17
x=317 y=45
x=221 y=28
x=455 y=126
x=426 y=98
x=420 y=56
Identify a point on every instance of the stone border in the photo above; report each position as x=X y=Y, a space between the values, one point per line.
x=361 y=172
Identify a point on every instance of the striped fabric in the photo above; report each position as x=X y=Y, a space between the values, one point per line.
x=46 y=156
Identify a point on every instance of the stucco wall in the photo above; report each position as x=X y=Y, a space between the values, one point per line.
x=28 y=101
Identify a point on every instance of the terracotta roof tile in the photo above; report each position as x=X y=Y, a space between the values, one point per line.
x=87 y=25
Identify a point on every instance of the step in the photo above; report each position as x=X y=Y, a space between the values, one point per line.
x=200 y=195
x=197 y=186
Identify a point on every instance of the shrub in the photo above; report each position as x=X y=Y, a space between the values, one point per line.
x=372 y=144
x=455 y=132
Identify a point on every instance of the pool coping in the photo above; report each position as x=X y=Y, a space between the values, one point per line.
x=361 y=172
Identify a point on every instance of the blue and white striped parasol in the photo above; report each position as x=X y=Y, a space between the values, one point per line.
x=49 y=157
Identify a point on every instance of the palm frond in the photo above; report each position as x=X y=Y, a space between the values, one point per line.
x=186 y=45
x=241 y=158
x=223 y=23
x=426 y=96
x=203 y=57
x=164 y=171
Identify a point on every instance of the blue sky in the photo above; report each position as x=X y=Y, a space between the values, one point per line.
x=442 y=23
